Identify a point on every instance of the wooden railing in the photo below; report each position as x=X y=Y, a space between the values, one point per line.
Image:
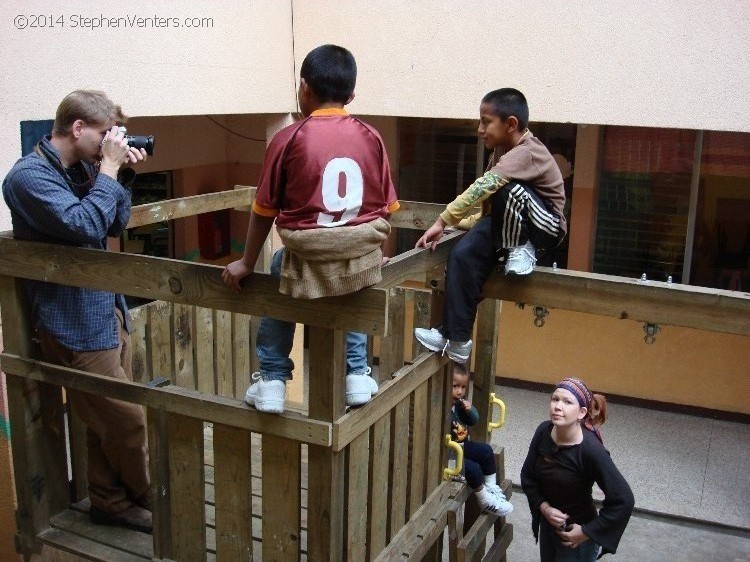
x=326 y=484
x=229 y=481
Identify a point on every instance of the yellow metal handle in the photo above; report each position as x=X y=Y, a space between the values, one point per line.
x=448 y=472
x=498 y=424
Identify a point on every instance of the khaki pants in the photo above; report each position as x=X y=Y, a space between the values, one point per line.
x=116 y=435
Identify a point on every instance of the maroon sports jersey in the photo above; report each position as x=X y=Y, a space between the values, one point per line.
x=330 y=169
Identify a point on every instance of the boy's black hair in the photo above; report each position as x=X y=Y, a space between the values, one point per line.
x=461 y=368
x=331 y=72
x=509 y=101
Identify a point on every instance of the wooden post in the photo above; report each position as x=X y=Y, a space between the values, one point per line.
x=35 y=413
x=187 y=488
x=233 y=493
x=485 y=359
x=325 y=512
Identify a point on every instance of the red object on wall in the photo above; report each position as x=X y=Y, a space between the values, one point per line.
x=213 y=234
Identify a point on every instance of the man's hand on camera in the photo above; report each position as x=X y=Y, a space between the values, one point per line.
x=116 y=153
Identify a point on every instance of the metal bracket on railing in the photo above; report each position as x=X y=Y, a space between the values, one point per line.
x=459 y=450
x=498 y=424
x=651 y=331
x=540 y=313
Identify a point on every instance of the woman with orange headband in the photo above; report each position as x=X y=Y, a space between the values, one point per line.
x=565 y=458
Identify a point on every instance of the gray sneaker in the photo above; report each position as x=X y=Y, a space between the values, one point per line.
x=521 y=260
x=433 y=340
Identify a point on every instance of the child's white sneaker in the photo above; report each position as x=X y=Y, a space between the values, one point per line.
x=266 y=396
x=521 y=259
x=495 y=490
x=360 y=389
x=490 y=503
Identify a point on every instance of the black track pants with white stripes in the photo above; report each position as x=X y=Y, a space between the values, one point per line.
x=518 y=215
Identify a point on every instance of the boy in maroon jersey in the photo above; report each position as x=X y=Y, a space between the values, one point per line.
x=326 y=182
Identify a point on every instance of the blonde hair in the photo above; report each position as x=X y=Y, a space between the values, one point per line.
x=91 y=106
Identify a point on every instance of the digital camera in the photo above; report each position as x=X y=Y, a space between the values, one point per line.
x=146 y=142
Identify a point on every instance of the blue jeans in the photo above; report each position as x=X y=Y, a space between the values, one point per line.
x=276 y=337
x=552 y=550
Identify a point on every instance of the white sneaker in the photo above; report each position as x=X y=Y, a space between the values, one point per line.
x=433 y=340
x=490 y=503
x=266 y=396
x=496 y=491
x=521 y=260
x=360 y=389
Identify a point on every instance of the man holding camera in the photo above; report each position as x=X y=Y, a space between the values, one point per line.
x=67 y=192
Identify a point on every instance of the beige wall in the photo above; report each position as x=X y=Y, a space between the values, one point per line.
x=663 y=64
x=243 y=64
x=683 y=366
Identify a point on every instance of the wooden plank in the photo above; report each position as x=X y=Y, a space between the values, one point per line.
x=418 y=466
x=152 y=213
x=186 y=487
x=78 y=455
x=422 y=312
x=415 y=263
x=231 y=448
x=498 y=549
x=399 y=465
x=281 y=499
x=177 y=400
x=35 y=415
x=158 y=455
x=138 y=346
x=357 y=490
x=392 y=345
x=326 y=467
x=204 y=349
x=160 y=340
x=438 y=425
x=473 y=541
x=184 y=346
x=82 y=546
x=223 y=353
x=485 y=361
x=392 y=392
x=433 y=509
x=189 y=283
x=119 y=540
x=241 y=354
x=249 y=207
x=378 y=490
x=657 y=302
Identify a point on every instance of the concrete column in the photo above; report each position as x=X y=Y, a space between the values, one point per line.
x=582 y=228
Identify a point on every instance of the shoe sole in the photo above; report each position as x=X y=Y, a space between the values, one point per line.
x=357 y=398
x=499 y=513
x=524 y=272
x=267 y=406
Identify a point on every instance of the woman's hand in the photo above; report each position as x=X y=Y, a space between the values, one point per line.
x=573 y=537
x=554 y=516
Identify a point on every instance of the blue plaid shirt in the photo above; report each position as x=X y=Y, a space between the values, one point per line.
x=44 y=207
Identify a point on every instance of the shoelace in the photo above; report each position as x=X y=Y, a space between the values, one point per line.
x=255 y=376
x=447 y=343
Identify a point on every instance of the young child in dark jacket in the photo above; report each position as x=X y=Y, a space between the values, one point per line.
x=479 y=459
